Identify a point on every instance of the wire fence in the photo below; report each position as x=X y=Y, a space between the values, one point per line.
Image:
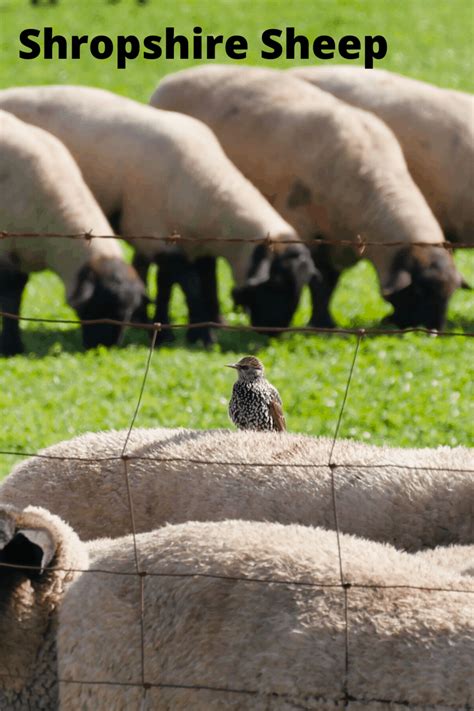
x=343 y=582
x=360 y=243
x=226 y=327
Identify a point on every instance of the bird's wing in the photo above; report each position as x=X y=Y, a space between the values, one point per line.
x=275 y=394
x=276 y=413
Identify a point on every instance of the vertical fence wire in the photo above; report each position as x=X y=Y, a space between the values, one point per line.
x=332 y=467
x=140 y=573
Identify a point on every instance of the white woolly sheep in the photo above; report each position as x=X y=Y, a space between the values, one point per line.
x=158 y=173
x=280 y=643
x=411 y=498
x=42 y=190
x=205 y=627
x=435 y=128
x=333 y=171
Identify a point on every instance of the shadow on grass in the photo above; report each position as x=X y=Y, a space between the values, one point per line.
x=226 y=341
x=241 y=341
x=41 y=342
x=49 y=342
x=463 y=323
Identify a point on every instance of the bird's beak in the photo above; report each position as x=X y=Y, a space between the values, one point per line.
x=231 y=365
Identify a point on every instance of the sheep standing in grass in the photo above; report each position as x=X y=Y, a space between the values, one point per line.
x=275 y=639
x=435 y=128
x=42 y=190
x=332 y=171
x=411 y=498
x=158 y=173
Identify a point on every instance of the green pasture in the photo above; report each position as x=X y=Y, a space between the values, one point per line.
x=414 y=390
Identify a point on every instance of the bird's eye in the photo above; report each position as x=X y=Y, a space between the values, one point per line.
x=244 y=367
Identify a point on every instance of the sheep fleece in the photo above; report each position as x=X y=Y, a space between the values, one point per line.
x=235 y=615
x=352 y=181
x=278 y=645
x=164 y=172
x=43 y=191
x=434 y=126
x=411 y=498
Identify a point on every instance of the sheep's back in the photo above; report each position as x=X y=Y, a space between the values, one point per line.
x=410 y=498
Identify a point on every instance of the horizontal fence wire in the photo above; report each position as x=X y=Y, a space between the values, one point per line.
x=336 y=584
x=343 y=583
x=255 y=329
x=249 y=692
x=232 y=463
x=174 y=238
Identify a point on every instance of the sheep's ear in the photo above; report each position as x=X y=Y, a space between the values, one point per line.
x=32 y=547
x=7 y=529
x=396 y=282
x=300 y=263
x=260 y=264
x=463 y=284
x=245 y=295
x=242 y=295
x=83 y=291
x=307 y=269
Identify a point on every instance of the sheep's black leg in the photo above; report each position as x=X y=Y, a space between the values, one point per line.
x=141 y=264
x=186 y=274
x=12 y=283
x=167 y=275
x=206 y=269
x=322 y=286
x=195 y=292
x=177 y=269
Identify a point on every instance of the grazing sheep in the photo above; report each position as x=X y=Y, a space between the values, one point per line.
x=435 y=128
x=42 y=190
x=277 y=638
x=411 y=498
x=332 y=171
x=158 y=173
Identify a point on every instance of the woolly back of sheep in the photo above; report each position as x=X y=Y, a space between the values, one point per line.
x=410 y=498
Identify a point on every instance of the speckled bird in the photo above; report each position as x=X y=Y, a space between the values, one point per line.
x=255 y=403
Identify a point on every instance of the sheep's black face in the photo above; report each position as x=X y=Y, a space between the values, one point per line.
x=29 y=593
x=272 y=294
x=107 y=288
x=21 y=551
x=267 y=304
x=411 y=309
x=421 y=284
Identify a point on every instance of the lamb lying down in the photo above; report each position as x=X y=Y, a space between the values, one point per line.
x=411 y=498
x=235 y=615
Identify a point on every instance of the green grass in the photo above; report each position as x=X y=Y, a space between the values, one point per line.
x=431 y=41
x=412 y=390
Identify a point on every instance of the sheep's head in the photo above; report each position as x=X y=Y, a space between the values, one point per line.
x=107 y=288
x=32 y=544
x=274 y=283
x=419 y=286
